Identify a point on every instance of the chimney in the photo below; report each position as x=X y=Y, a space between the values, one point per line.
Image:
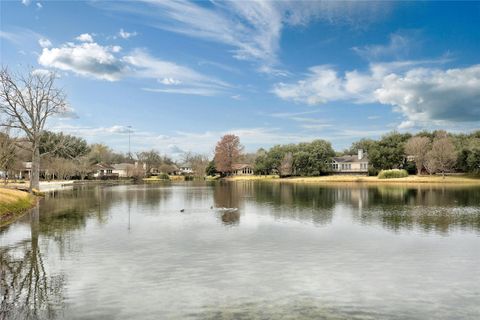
x=360 y=154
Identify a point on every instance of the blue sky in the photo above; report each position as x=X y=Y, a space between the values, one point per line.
x=183 y=73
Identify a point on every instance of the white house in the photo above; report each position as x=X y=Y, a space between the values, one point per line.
x=350 y=164
x=185 y=168
x=103 y=171
x=124 y=170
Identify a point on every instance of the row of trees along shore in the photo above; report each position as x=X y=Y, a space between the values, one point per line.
x=27 y=101
x=65 y=156
x=421 y=153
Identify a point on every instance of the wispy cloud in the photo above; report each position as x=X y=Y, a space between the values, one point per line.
x=252 y=28
x=399 y=46
x=292 y=114
x=189 y=91
x=126 y=35
x=20 y=36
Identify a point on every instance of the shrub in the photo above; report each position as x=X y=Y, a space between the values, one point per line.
x=373 y=172
x=392 y=174
x=188 y=178
x=163 y=176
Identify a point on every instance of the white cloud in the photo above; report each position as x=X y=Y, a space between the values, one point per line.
x=432 y=94
x=125 y=35
x=39 y=5
x=87 y=59
x=323 y=84
x=44 y=43
x=26 y=2
x=85 y=37
x=420 y=93
x=42 y=72
x=170 y=81
x=252 y=28
x=105 y=62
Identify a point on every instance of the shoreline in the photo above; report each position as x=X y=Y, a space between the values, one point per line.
x=411 y=180
x=14 y=204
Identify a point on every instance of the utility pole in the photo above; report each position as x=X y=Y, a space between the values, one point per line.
x=129 y=150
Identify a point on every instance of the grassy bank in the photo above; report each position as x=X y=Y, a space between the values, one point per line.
x=13 y=203
x=463 y=179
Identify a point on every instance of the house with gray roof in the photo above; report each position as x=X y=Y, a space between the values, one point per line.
x=350 y=164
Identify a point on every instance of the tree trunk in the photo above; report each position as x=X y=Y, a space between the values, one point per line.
x=35 y=173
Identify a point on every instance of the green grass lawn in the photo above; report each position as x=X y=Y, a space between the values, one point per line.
x=12 y=203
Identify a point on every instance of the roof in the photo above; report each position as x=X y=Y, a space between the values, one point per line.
x=240 y=166
x=122 y=166
x=185 y=165
x=104 y=166
x=350 y=158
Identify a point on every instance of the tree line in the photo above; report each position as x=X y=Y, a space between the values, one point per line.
x=28 y=100
x=65 y=156
x=421 y=153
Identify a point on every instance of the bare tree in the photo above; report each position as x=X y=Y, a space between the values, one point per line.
x=431 y=164
x=26 y=103
x=443 y=156
x=152 y=160
x=199 y=162
x=418 y=147
x=8 y=152
x=227 y=151
x=286 y=165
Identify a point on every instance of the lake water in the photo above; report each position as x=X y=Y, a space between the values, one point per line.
x=288 y=252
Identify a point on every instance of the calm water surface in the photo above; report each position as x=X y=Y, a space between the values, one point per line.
x=288 y=252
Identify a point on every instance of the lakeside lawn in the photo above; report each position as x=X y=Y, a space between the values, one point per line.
x=457 y=179
x=12 y=203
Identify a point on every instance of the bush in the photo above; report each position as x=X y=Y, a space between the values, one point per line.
x=373 y=172
x=188 y=178
x=392 y=174
x=410 y=167
x=163 y=176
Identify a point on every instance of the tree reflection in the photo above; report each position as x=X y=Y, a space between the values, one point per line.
x=428 y=208
x=28 y=292
x=27 y=287
x=299 y=202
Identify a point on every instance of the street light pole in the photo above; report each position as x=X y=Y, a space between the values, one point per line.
x=129 y=151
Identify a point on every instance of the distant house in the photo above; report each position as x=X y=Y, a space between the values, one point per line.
x=241 y=169
x=169 y=169
x=185 y=168
x=350 y=164
x=124 y=170
x=104 y=171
